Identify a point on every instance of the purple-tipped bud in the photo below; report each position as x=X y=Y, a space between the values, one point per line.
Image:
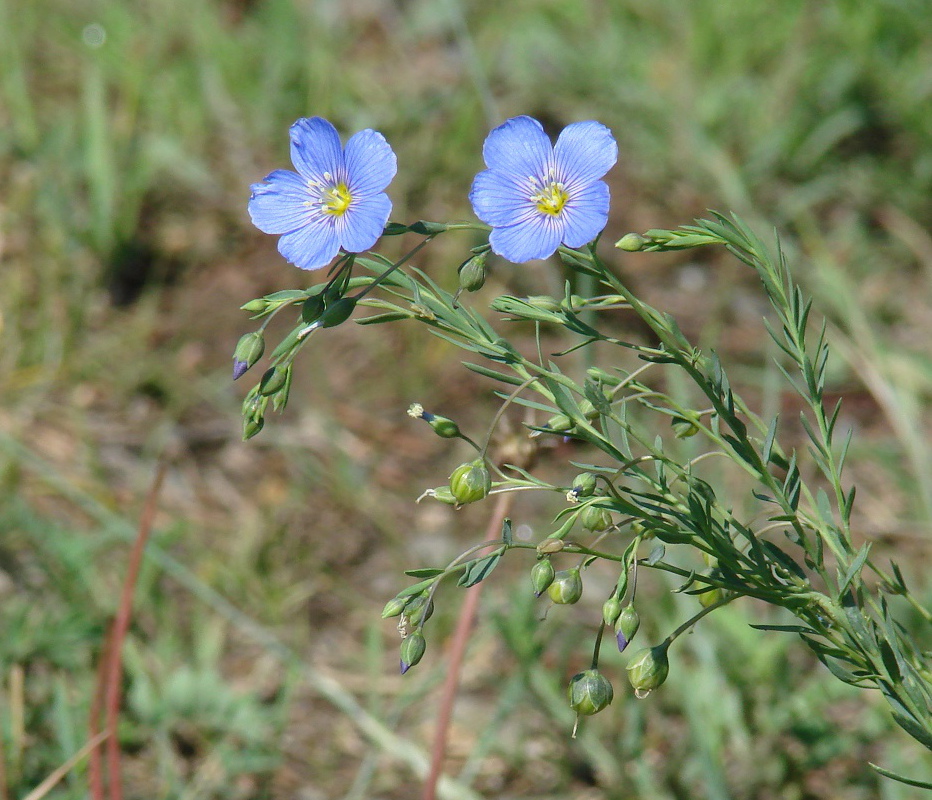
x=249 y=350
x=542 y=574
x=590 y=692
x=567 y=587
x=584 y=484
x=626 y=626
x=412 y=650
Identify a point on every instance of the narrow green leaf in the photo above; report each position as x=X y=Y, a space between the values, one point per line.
x=478 y=570
x=900 y=778
x=854 y=569
x=768 y=442
x=424 y=572
x=487 y=372
x=506 y=531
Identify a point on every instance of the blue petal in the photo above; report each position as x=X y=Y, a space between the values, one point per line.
x=364 y=221
x=584 y=152
x=498 y=199
x=316 y=149
x=312 y=246
x=518 y=147
x=586 y=214
x=277 y=204
x=370 y=163
x=537 y=237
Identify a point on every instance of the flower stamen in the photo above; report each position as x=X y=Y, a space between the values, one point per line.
x=335 y=200
x=551 y=198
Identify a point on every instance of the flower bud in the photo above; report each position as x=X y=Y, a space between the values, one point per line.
x=584 y=484
x=714 y=593
x=394 y=607
x=252 y=426
x=686 y=426
x=595 y=519
x=312 y=308
x=648 y=670
x=626 y=625
x=412 y=650
x=472 y=272
x=550 y=545
x=542 y=574
x=418 y=610
x=611 y=609
x=470 y=482
x=249 y=350
x=589 y=692
x=338 y=312
x=559 y=423
x=566 y=587
x=543 y=302
x=632 y=242
x=274 y=380
x=257 y=306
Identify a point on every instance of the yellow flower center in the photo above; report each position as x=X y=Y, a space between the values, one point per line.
x=550 y=198
x=336 y=199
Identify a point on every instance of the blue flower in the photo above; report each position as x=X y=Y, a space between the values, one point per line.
x=335 y=200
x=537 y=196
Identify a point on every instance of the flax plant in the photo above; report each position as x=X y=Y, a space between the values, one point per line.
x=636 y=500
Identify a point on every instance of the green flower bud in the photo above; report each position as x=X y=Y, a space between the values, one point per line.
x=559 y=423
x=274 y=380
x=685 y=427
x=632 y=242
x=611 y=608
x=590 y=692
x=595 y=519
x=472 y=272
x=626 y=625
x=257 y=306
x=252 y=426
x=427 y=228
x=470 y=482
x=542 y=574
x=649 y=669
x=567 y=587
x=338 y=312
x=394 y=607
x=584 y=484
x=249 y=350
x=312 y=308
x=543 y=302
x=418 y=610
x=714 y=593
x=412 y=650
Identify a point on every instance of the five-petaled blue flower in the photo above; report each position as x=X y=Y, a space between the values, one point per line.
x=335 y=200
x=537 y=196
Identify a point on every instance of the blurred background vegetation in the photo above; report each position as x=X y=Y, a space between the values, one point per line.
x=256 y=665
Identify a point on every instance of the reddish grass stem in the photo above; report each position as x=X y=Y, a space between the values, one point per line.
x=111 y=676
x=457 y=650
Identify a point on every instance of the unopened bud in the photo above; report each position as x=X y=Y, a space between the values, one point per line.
x=632 y=242
x=394 y=607
x=685 y=427
x=542 y=574
x=590 y=692
x=567 y=587
x=252 y=426
x=412 y=650
x=472 y=272
x=274 y=380
x=583 y=485
x=249 y=350
x=611 y=608
x=470 y=482
x=595 y=519
x=649 y=669
x=714 y=593
x=559 y=423
x=626 y=626
x=312 y=308
x=543 y=302
x=550 y=545
x=338 y=312
x=419 y=609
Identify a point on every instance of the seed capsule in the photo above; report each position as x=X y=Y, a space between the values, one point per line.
x=542 y=574
x=648 y=670
x=590 y=692
x=567 y=587
x=412 y=650
x=470 y=482
x=626 y=626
